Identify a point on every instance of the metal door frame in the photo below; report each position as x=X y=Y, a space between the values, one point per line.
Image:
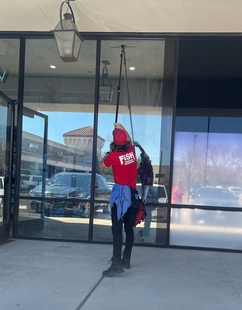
x=5 y=227
x=18 y=173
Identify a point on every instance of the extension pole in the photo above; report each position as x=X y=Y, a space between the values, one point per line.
x=120 y=72
x=118 y=88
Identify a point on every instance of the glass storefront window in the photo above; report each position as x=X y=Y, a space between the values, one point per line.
x=208 y=161
x=149 y=124
x=206 y=228
x=57 y=140
x=9 y=66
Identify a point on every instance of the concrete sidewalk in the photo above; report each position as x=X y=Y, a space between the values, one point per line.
x=48 y=275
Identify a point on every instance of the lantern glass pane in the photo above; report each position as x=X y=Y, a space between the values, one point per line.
x=64 y=41
x=77 y=45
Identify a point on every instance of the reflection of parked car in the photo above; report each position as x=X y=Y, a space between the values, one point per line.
x=156 y=193
x=30 y=172
x=28 y=182
x=110 y=184
x=67 y=185
x=235 y=190
x=213 y=196
x=194 y=188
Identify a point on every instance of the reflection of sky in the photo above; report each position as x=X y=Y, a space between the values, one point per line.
x=183 y=138
x=146 y=129
x=34 y=125
x=62 y=122
x=231 y=140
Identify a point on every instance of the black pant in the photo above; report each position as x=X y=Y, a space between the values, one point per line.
x=117 y=228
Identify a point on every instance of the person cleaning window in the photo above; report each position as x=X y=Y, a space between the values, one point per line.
x=124 y=194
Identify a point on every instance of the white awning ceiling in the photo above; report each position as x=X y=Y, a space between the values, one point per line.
x=171 y=16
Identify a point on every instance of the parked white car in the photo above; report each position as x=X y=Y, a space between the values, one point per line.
x=28 y=182
x=156 y=193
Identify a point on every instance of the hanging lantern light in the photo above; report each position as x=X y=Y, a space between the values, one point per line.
x=67 y=37
x=105 y=87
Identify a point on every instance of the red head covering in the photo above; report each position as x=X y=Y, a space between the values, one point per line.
x=119 y=136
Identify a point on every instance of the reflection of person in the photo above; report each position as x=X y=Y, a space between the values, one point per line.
x=122 y=159
x=177 y=192
x=145 y=171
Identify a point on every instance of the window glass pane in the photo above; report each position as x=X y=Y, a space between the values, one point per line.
x=207 y=165
x=9 y=53
x=206 y=228
x=53 y=219
x=225 y=125
x=209 y=74
x=57 y=137
x=154 y=228
x=207 y=152
x=142 y=113
x=191 y=124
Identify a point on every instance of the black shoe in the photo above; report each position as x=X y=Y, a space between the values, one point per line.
x=114 y=269
x=126 y=262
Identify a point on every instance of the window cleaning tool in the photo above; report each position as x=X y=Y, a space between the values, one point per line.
x=123 y=60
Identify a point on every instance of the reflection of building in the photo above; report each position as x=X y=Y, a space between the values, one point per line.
x=82 y=138
x=75 y=155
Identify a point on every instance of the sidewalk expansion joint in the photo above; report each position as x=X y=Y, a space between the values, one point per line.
x=89 y=294
x=235 y=284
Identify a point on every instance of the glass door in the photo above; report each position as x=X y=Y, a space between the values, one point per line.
x=6 y=162
x=33 y=171
x=66 y=94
